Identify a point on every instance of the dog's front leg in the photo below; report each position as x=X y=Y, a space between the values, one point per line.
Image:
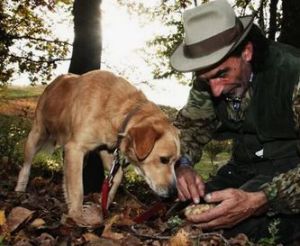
x=86 y=216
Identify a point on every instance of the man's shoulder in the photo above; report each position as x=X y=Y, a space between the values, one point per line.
x=286 y=48
x=285 y=51
x=283 y=59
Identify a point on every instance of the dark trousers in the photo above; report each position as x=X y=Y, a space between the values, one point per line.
x=93 y=173
x=249 y=177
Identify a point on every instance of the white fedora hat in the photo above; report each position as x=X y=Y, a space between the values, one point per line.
x=212 y=30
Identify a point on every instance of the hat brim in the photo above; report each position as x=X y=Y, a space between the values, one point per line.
x=180 y=62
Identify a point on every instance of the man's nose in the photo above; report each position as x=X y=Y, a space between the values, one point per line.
x=216 y=87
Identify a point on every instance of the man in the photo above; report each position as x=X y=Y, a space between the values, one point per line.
x=248 y=89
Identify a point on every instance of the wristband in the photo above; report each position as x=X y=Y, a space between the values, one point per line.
x=184 y=161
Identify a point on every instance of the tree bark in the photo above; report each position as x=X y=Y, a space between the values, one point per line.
x=273 y=20
x=290 y=32
x=87 y=43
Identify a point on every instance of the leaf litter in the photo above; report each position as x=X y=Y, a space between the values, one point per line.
x=38 y=217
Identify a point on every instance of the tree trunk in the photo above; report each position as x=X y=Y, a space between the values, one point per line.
x=290 y=33
x=86 y=56
x=273 y=19
x=87 y=43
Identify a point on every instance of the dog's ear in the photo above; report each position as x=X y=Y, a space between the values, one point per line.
x=142 y=140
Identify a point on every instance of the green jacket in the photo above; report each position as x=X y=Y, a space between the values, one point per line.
x=269 y=120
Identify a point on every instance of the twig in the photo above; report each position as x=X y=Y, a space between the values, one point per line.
x=156 y=236
x=211 y=235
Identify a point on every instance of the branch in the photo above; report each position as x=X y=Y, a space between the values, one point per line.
x=38 y=39
x=39 y=61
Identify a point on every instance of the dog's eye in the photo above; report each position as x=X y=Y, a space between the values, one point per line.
x=165 y=160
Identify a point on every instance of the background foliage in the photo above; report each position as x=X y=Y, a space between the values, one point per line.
x=274 y=18
x=28 y=45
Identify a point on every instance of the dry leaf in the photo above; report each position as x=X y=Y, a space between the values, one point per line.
x=104 y=242
x=108 y=233
x=181 y=238
x=2 y=218
x=38 y=223
x=4 y=232
x=90 y=237
x=239 y=240
x=17 y=216
x=45 y=239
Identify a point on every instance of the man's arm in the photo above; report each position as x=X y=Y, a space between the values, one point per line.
x=196 y=122
x=283 y=193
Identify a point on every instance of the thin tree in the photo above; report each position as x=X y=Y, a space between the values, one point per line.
x=87 y=45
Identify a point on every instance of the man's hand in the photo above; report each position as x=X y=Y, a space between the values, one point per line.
x=189 y=184
x=234 y=205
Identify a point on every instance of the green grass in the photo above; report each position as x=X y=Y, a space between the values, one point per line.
x=205 y=168
x=15 y=92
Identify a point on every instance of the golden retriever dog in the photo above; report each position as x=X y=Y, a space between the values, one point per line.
x=84 y=112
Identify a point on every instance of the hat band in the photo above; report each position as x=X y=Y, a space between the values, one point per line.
x=214 y=43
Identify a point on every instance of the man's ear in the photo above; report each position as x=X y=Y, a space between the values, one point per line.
x=142 y=140
x=248 y=52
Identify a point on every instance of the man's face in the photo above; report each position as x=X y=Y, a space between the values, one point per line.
x=231 y=77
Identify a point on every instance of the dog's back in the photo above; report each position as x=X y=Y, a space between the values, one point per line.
x=72 y=104
x=82 y=109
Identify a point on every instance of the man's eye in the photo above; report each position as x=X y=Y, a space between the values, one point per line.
x=165 y=160
x=222 y=75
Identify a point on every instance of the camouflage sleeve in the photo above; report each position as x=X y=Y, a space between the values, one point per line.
x=283 y=193
x=196 y=122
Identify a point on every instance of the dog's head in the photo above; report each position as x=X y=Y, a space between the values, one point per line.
x=153 y=149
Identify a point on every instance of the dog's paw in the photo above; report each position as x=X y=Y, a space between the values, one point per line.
x=90 y=217
x=92 y=213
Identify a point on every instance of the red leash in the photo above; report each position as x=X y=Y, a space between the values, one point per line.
x=108 y=182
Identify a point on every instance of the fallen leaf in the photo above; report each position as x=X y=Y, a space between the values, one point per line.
x=4 y=232
x=21 y=239
x=45 y=239
x=2 y=218
x=104 y=242
x=17 y=216
x=108 y=233
x=239 y=240
x=181 y=238
x=90 y=237
x=37 y=223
